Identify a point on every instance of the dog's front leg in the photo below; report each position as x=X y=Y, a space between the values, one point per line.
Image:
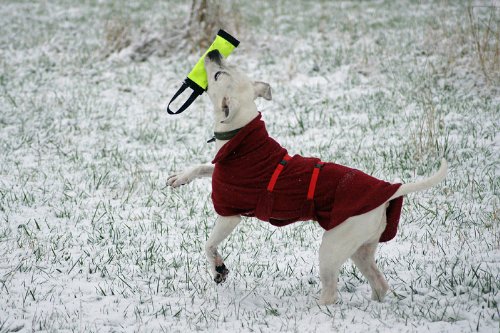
x=181 y=178
x=223 y=227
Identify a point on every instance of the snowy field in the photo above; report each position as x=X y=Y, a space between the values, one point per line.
x=92 y=239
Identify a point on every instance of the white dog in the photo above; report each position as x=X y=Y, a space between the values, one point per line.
x=232 y=94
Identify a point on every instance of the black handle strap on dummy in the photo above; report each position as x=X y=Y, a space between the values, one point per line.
x=197 y=91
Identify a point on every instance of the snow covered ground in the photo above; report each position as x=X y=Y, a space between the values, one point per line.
x=92 y=240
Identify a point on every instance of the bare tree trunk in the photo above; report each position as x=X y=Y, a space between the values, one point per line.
x=206 y=18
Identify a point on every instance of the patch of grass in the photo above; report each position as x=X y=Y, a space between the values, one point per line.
x=485 y=33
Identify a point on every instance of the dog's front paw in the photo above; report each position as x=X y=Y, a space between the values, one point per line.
x=328 y=298
x=221 y=273
x=178 y=179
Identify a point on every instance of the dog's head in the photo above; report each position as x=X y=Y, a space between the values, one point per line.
x=229 y=89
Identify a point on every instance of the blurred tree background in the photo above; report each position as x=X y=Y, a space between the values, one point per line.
x=195 y=33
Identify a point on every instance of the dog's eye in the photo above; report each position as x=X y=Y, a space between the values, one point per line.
x=216 y=76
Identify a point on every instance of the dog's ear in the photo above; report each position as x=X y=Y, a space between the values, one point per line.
x=262 y=89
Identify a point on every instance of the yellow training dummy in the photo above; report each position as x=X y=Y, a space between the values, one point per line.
x=197 y=78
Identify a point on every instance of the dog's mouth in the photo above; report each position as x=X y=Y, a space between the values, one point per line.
x=225 y=107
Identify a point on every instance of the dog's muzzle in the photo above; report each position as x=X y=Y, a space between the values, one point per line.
x=215 y=56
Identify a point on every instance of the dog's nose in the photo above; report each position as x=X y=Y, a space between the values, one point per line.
x=215 y=56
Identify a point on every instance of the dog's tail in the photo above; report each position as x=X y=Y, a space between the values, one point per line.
x=423 y=184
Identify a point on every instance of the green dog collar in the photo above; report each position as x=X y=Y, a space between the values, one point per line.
x=224 y=135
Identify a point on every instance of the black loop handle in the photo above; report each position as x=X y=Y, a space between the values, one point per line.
x=187 y=103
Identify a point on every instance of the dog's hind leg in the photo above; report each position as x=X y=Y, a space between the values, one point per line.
x=331 y=257
x=342 y=242
x=223 y=227
x=337 y=246
x=364 y=258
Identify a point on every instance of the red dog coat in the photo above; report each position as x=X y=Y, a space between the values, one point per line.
x=246 y=181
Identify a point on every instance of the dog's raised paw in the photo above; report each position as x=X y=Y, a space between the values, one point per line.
x=178 y=179
x=222 y=273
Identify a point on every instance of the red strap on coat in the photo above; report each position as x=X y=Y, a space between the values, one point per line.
x=277 y=171
x=314 y=180
x=312 y=183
